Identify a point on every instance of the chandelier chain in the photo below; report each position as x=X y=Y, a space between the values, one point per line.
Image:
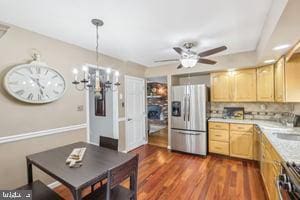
x=97 y=45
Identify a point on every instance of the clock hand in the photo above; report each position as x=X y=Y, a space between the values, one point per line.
x=37 y=82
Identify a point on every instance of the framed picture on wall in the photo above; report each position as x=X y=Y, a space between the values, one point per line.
x=100 y=105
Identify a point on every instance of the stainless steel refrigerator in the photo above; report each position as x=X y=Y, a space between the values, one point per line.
x=189 y=119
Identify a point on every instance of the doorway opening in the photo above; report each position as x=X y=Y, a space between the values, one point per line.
x=157 y=111
x=102 y=114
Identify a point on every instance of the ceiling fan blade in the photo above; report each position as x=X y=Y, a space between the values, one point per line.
x=180 y=66
x=167 y=60
x=206 y=61
x=212 y=51
x=178 y=50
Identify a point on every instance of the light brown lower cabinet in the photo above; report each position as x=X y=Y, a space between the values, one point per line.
x=270 y=167
x=246 y=141
x=241 y=144
x=219 y=147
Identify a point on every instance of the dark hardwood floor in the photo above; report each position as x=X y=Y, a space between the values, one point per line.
x=171 y=175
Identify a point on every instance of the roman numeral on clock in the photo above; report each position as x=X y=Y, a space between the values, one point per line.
x=30 y=96
x=20 y=92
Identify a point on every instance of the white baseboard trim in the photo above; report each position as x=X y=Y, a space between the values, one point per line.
x=54 y=184
x=169 y=147
x=93 y=143
x=124 y=151
x=24 y=136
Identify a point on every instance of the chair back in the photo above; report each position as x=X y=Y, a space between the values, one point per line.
x=118 y=174
x=109 y=143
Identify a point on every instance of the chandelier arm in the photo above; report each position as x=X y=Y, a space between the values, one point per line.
x=78 y=88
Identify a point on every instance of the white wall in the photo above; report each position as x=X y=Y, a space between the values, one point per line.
x=199 y=79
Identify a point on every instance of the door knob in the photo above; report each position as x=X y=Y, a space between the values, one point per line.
x=129 y=119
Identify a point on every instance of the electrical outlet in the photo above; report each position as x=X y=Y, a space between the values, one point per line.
x=80 y=108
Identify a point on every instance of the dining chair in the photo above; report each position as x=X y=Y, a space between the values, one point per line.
x=109 y=143
x=112 y=190
x=40 y=191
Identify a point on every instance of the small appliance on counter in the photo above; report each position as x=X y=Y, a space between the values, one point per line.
x=233 y=113
x=297 y=121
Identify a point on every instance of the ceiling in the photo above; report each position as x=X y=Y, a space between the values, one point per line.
x=144 y=31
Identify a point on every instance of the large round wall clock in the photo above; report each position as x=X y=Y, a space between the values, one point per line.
x=35 y=83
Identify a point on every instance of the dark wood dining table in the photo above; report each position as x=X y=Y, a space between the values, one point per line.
x=95 y=165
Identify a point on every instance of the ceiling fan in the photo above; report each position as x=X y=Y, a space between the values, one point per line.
x=189 y=58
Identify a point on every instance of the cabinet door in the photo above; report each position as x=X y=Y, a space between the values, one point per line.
x=244 y=85
x=220 y=87
x=241 y=145
x=256 y=145
x=279 y=82
x=265 y=83
x=292 y=79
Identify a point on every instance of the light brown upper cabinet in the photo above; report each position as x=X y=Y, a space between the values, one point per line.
x=220 y=87
x=244 y=85
x=265 y=83
x=279 y=82
x=292 y=79
x=235 y=86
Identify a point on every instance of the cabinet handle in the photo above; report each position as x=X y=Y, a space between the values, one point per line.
x=218 y=135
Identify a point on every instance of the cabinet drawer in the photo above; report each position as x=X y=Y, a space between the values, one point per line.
x=219 y=135
x=219 y=147
x=217 y=125
x=241 y=133
x=241 y=127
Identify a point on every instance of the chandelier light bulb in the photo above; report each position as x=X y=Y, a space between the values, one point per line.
x=85 y=69
x=117 y=74
x=75 y=71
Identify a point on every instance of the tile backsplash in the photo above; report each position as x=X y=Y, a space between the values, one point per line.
x=265 y=111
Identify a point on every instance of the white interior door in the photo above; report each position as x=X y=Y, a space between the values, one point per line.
x=135 y=112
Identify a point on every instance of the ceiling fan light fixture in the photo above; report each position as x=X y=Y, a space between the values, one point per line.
x=188 y=62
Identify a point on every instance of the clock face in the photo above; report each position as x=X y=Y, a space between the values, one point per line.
x=35 y=83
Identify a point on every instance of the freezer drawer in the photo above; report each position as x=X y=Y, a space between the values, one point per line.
x=189 y=141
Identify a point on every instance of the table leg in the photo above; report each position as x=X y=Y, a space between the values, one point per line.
x=76 y=194
x=29 y=172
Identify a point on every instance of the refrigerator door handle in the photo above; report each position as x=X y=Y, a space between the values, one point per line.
x=184 y=107
x=189 y=108
x=186 y=133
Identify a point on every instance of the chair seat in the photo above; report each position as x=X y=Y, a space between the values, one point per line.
x=117 y=193
x=40 y=191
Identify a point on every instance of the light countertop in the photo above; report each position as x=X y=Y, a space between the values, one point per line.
x=289 y=150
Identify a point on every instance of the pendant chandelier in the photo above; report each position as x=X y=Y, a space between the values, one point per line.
x=100 y=81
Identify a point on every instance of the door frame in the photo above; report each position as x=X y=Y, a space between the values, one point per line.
x=169 y=88
x=115 y=109
x=126 y=77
